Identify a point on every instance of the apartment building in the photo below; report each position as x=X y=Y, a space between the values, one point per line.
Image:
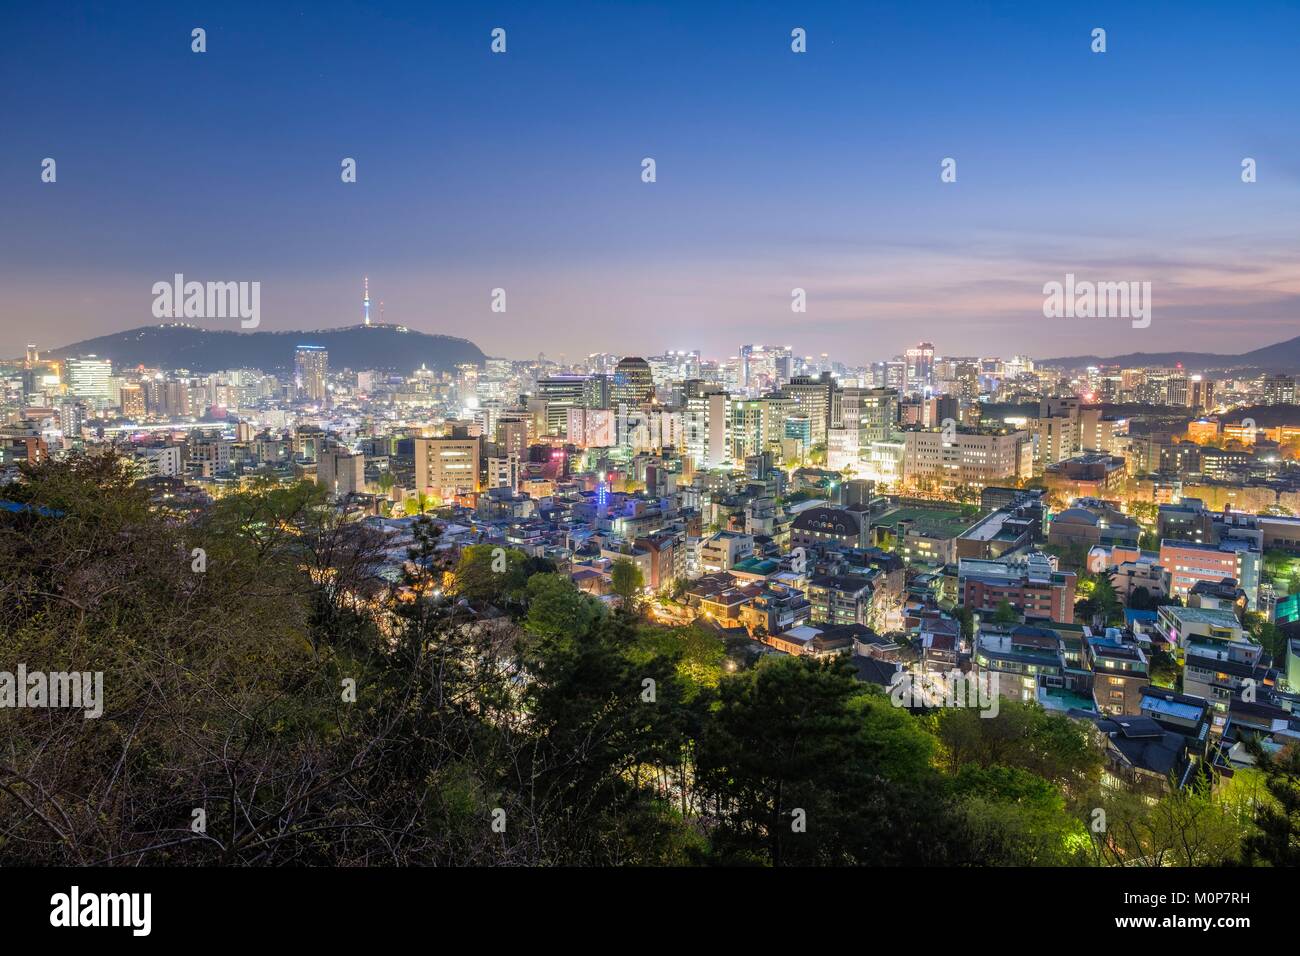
x=1031 y=586
x=446 y=467
x=949 y=458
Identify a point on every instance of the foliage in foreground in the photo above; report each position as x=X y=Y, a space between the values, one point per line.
x=288 y=706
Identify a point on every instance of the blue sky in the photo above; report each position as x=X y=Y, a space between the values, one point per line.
x=775 y=170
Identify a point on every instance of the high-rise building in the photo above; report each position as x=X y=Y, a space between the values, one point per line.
x=466 y=382
x=559 y=393
x=1097 y=433
x=596 y=392
x=310 y=368
x=1165 y=386
x=88 y=377
x=1202 y=395
x=920 y=367
x=705 y=425
x=592 y=427
x=1279 y=390
x=72 y=416
x=512 y=434
x=633 y=383
x=763 y=368
x=814 y=399
x=131 y=400
x=176 y=400
x=865 y=415
x=748 y=428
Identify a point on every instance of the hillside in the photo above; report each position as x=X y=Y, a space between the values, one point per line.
x=1282 y=357
x=204 y=350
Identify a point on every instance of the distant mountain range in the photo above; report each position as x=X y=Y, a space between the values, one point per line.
x=1282 y=357
x=403 y=350
x=204 y=350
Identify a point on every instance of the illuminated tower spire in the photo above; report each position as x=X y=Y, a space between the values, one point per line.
x=366 y=301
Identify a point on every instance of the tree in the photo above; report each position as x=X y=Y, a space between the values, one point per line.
x=420 y=503
x=390 y=730
x=488 y=574
x=1024 y=736
x=698 y=654
x=1012 y=817
x=1267 y=634
x=1106 y=601
x=604 y=728
x=793 y=768
x=1140 y=599
x=200 y=668
x=557 y=610
x=1185 y=826
x=1277 y=842
x=1165 y=671
x=1145 y=512
x=626 y=580
x=966 y=618
x=1004 y=613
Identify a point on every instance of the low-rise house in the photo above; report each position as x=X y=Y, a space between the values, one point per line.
x=591 y=581
x=874 y=670
x=1223 y=595
x=1269 y=721
x=1120 y=672
x=1019 y=660
x=867 y=643
x=1141 y=755
x=809 y=641
x=836 y=526
x=1179 y=713
x=774 y=608
x=940 y=645
x=1093 y=523
x=723 y=550
x=756 y=570
x=1131 y=575
x=1221 y=680
x=1088 y=475
x=1178 y=625
x=707 y=586
x=725 y=607
x=840 y=599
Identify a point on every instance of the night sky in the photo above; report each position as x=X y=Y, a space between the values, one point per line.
x=775 y=170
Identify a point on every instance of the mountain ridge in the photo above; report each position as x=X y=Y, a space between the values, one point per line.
x=181 y=346
x=1280 y=357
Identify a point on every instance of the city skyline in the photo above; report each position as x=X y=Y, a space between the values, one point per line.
x=775 y=171
x=650 y=435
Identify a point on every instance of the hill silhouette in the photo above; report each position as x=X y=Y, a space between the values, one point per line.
x=204 y=350
x=1282 y=357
